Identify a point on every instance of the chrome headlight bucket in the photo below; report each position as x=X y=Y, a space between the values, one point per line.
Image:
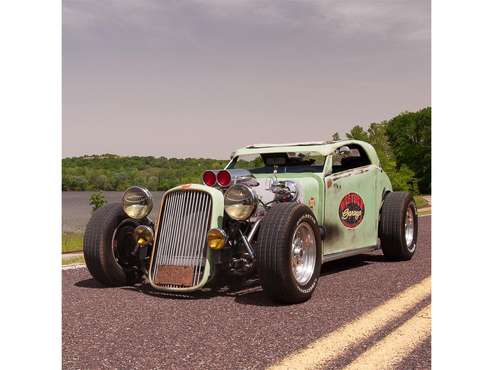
x=240 y=202
x=137 y=202
x=143 y=235
x=216 y=238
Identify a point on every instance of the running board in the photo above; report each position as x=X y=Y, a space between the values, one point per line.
x=344 y=254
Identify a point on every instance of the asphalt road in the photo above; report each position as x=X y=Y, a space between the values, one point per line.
x=136 y=328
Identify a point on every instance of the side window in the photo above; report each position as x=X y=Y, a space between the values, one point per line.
x=348 y=157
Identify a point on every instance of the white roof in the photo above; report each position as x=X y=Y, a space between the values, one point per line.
x=254 y=146
x=320 y=147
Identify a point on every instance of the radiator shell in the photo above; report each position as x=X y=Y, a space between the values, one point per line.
x=163 y=226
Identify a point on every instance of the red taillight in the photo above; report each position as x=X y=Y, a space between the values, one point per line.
x=209 y=178
x=224 y=178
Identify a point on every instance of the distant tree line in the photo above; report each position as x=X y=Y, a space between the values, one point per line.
x=112 y=172
x=403 y=145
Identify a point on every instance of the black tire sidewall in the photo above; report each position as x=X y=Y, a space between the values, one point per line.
x=274 y=253
x=309 y=218
x=98 y=248
x=392 y=226
x=112 y=265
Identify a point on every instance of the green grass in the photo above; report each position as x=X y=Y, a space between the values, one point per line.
x=424 y=213
x=71 y=242
x=72 y=260
x=420 y=201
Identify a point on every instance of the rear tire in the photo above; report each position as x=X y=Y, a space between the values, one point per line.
x=398 y=215
x=275 y=256
x=99 y=249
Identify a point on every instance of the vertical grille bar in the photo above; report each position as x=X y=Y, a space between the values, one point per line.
x=197 y=230
x=180 y=251
x=166 y=230
x=202 y=234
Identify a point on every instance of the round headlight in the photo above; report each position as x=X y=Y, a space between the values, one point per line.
x=137 y=202
x=239 y=202
x=216 y=238
x=143 y=235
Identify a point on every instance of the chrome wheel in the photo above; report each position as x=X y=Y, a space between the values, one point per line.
x=303 y=253
x=409 y=229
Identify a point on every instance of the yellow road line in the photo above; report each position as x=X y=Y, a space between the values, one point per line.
x=397 y=345
x=334 y=344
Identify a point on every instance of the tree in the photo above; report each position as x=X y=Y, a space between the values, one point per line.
x=100 y=182
x=97 y=200
x=358 y=133
x=403 y=145
x=409 y=135
x=377 y=135
x=79 y=183
x=402 y=179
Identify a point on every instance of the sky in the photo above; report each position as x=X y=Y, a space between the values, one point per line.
x=201 y=78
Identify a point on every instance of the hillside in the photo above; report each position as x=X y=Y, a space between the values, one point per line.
x=112 y=172
x=403 y=144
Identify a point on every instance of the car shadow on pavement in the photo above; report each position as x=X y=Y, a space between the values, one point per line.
x=258 y=298
x=91 y=283
x=248 y=292
x=333 y=267
x=215 y=289
x=376 y=258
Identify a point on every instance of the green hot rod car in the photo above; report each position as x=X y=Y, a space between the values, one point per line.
x=276 y=211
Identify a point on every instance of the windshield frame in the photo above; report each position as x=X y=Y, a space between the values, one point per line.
x=234 y=160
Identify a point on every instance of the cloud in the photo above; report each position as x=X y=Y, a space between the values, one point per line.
x=407 y=19
x=255 y=68
x=401 y=19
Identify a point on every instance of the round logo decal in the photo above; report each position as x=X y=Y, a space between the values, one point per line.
x=351 y=210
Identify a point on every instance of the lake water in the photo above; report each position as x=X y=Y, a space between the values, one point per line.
x=76 y=210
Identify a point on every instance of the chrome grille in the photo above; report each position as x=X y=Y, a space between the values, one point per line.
x=181 y=240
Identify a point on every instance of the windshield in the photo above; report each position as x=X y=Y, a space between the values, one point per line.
x=285 y=162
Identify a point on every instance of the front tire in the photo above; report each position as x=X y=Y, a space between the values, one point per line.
x=108 y=243
x=398 y=229
x=289 y=253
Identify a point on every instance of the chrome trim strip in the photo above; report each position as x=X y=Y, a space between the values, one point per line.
x=344 y=254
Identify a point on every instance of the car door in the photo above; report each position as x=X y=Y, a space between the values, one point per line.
x=350 y=202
